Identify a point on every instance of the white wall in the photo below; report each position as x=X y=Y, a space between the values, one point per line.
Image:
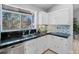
x=76 y=14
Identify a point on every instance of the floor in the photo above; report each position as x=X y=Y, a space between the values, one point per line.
x=49 y=51
x=76 y=46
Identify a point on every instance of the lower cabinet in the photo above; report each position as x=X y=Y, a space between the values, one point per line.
x=3 y=51
x=16 y=49
x=36 y=46
x=42 y=44
x=39 y=45
x=59 y=44
x=30 y=47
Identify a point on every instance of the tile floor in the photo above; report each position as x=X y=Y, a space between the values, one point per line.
x=76 y=46
x=49 y=51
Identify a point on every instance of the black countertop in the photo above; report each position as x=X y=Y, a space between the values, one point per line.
x=13 y=41
x=63 y=35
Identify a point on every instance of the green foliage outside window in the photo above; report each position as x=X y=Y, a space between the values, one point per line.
x=75 y=26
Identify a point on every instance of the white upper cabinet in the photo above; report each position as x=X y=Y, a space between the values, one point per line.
x=39 y=18
x=59 y=17
x=51 y=18
x=43 y=18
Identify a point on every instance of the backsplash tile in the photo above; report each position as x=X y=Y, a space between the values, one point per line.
x=63 y=29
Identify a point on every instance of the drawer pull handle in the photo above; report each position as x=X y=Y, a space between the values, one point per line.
x=12 y=46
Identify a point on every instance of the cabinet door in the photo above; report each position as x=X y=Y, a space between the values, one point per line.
x=31 y=47
x=61 y=45
x=16 y=21
x=11 y=21
x=51 y=42
x=59 y=16
x=33 y=21
x=62 y=16
x=39 y=18
x=42 y=44
x=51 y=18
x=25 y=21
x=58 y=44
x=16 y=49
x=43 y=18
x=36 y=46
x=3 y=51
x=7 y=21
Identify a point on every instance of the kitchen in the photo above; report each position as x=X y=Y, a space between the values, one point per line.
x=36 y=29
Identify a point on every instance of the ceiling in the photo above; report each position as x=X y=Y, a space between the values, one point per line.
x=44 y=7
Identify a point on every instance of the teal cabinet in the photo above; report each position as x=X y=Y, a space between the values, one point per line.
x=25 y=22
x=6 y=21
x=16 y=21
x=11 y=21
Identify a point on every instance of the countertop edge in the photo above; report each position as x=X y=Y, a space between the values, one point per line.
x=28 y=40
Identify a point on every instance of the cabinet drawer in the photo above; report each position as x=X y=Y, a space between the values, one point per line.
x=16 y=49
